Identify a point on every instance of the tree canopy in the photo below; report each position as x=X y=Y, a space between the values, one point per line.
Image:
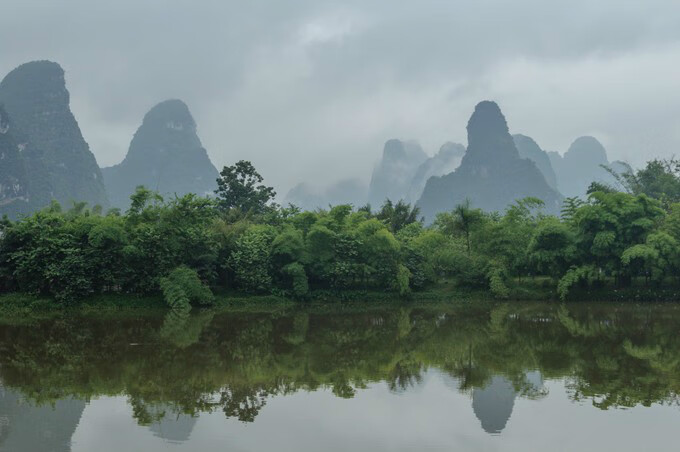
x=240 y=187
x=243 y=241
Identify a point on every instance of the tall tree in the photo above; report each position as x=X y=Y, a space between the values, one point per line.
x=240 y=187
x=460 y=221
x=659 y=179
x=397 y=216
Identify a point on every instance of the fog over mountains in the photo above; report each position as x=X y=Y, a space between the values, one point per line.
x=45 y=157
x=325 y=84
x=583 y=163
x=392 y=177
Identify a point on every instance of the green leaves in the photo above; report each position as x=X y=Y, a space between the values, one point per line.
x=398 y=216
x=182 y=288
x=574 y=276
x=251 y=259
x=401 y=281
x=239 y=187
x=242 y=240
x=642 y=252
x=298 y=279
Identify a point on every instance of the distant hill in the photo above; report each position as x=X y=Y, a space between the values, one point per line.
x=394 y=174
x=165 y=155
x=56 y=159
x=529 y=149
x=445 y=161
x=492 y=175
x=581 y=165
x=347 y=191
x=401 y=175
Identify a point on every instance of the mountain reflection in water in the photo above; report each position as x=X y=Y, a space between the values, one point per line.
x=62 y=376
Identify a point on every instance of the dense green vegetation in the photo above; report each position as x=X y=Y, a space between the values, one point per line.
x=240 y=240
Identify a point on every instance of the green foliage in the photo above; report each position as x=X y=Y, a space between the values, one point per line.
x=655 y=259
x=497 y=284
x=251 y=259
x=242 y=241
x=552 y=247
x=507 y=239
x=141 y=199
x=600 y=187
x=642 y=252
x=182 y=288
x=288 y=246
x=240 y=187
x=574 y=276
x=609 y=224
x=461 y=221
x=298 y=279
x=659 y=179
x=401 y=280
x=569 y=208
x=397 y=216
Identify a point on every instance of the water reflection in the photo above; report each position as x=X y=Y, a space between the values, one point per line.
x=493 y=403
x=170 y=426
x=37 y=427
x=173 y=369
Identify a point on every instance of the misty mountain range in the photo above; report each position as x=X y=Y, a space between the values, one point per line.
x=44 y=157
x=494 y=170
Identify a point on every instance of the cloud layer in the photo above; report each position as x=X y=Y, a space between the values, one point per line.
x=310 y=90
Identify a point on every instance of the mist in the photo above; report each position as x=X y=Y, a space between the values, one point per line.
x=311 y=90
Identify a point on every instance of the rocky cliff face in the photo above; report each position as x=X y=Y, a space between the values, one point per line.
x=13 y=180
x=58 y=161
x=444 y=162
x=492 y=175
x=392 y=177
x=165 y=155
x=529 y=149
x=580 y=166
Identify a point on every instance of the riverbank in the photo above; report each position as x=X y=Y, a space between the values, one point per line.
x=538 y=289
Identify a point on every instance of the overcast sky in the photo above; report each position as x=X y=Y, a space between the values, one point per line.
x=310 y=90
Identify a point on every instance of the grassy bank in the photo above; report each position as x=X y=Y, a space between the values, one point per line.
x=537 y=289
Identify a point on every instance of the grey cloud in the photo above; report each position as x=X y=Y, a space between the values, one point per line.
x=310 y=90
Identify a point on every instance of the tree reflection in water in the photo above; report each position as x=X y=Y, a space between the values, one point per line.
x=174 y=366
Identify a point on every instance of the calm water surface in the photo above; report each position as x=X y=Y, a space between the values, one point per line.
x=509 y=377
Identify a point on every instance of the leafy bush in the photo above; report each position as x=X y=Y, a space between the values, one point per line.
x=297 y=279
x=574 y=276
x=497 y=284
x=251 y=259
x=470 y=269
x=182 y=288
x=401 y=280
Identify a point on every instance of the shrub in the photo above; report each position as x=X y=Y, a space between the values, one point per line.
x=298 y=279
x=497 y=284
x=251 y=259
x=182 y=288
x=401 y=280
